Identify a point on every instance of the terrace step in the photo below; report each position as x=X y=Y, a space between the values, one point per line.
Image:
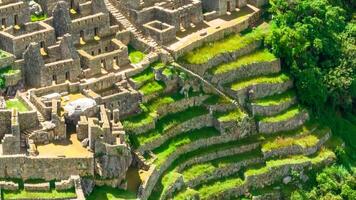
x=257 y=63
x=306 y=143
x=290 y=119
x=273 y=105
x=258 y=87
x=261 y=176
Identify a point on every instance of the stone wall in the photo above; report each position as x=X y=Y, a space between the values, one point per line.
x=251 y=70
x=5 y=125
x=226 y=57
x=37 y=187
x=192 y=124
x=259 y=91
x=298 y=149
x=47 y=168
x=147 y=186
x=8 y=185
x=286 y=125
x=270 y=110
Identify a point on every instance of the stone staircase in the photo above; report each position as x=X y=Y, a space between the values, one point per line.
x=121 y=19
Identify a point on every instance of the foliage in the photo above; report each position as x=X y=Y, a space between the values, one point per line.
x=135 y=56
x=333 y=183
x=16 y=104
x=22 y=194
x=311 y=39
x=108 y=193
x=36 y=18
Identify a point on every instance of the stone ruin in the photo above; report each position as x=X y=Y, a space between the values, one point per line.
x=73 y=75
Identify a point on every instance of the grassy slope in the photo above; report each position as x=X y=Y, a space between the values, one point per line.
x=108 y=193
x=255 y=57
x=271 y=79
x=229 y=44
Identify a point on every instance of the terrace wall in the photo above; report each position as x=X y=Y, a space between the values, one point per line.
x=47 y=168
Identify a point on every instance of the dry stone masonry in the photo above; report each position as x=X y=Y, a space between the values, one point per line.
x=92 y=90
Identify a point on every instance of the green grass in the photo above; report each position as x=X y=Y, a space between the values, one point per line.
x=270 y=79
x=209 y=167
x=216 y=99
x=320 y=156
x=255 y=57
x=36 y=18
x=235 y=115
x=108 y=193
x=288 y=114
x=152 y=87
x=135 y=56
x=16 y=104
x=146 y=75
x=276 y=99
x=229 y=44
x=169 y=147
x=4 y=54
x=304 y=141
x=186 y=194
x=214 y=188
x=137 y=121
x=43 y=194
x=168 y=122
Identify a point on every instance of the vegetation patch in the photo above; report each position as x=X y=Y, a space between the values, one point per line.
x=288 y=114
x=235 y=115
x=152 y=87
x=22 y=194
x=276 y=99
x=16 y=104
x=270 y=79
x=135 y=56
x=170 y=121
x=36 y=18
x=209 y=167
x=6 y=71
x=255 y=57
x=169 y=147
x=109 y=193
x=304 y=141
x=229 y=44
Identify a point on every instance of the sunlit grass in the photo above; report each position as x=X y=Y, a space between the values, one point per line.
x=271 y=79
x=255 y=57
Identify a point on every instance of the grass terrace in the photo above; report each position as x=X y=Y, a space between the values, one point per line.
x=216 y=99
x=270 y=79
x=169 y=147
x=187 y=194
x=167 y=122
x=109 y=193
x=135 y=56
x=53 y=194
x=16 y=104
x=172 y=171
x=216 y=187
x=287 y=114
x=298 y=159
x=255 y=57
x=152 y=87
x=145 y=76
x=235 y=115
x=209 y=167
x=276 y=99
x=231 y=43
x=304 y=141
